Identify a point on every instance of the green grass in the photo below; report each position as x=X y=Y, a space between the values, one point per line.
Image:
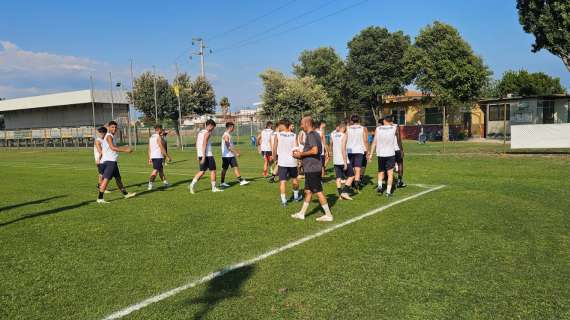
x=493 y=244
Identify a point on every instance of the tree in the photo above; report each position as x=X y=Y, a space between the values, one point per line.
x=225 y=105
x=549 y=22
x=446 y=67
x=329 y=70
x=202 y=96
x=523 y=83
x=142 y=97
x=377 y=67
x=292 y=97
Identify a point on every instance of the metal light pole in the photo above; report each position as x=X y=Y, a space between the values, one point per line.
x=155 y=98
x=112 y=101
x=177 y=91
x=92 y=102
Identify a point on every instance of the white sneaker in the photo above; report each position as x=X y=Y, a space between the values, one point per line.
x=166 y=185
x=298 y=215
x=243 y=183
x=130 y=195
x=107 y=191
x=102 y=201
x=149 y=187
x=217 y=190
x=325 y=218
x=224 y=185
x=191 y=188
x=345 y=196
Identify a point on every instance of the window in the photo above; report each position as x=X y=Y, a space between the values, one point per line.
x=546 y=108
x=497 y=112
x=433 y=116
x=399 y=116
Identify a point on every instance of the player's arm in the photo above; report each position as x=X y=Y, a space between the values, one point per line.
x=99 y=150
x=258 y=142
x=229 y=145
x=115 y=148
x=204 y=145
x=163 y=150
x=274 y=148
x=399 y=140
x=365 y=138
x=344 y=153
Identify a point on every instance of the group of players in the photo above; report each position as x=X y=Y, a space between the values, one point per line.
x=286 y=156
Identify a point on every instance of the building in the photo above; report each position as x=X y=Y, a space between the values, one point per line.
x=73 y=109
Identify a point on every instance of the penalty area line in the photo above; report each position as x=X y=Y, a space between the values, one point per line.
x=172 y=292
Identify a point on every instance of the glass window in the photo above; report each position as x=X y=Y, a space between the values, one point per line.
x=497 y=112
x=433 y=116
x=399 y=116
x=546 y=109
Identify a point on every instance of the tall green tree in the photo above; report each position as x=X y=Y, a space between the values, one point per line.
x=329 y=70
x=273 y=83
x=202 y=96
x=523 y=83
x=377 y=66
x=549 y=22
x=447 y=68
x=142 y=97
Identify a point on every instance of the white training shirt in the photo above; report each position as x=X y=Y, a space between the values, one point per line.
x=155 y=152
x=301 y=140
x=226 y=152
x=266 y=135
x=200 y=143
x=337 y=148
x=286 y=143
x=108 y=153
x=396 y=133
x=386 y=141
x=95 y=151
x=355 y=141
x=320 y=132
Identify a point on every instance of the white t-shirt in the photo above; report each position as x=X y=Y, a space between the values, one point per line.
x=200 y=143
x=396 y=133
x=95 y=151
x=337 y=138
x=108 y=153
x=155 y=152
x=320 y=132
x=301 y=139
x=355 y=140
x=266 y=135
x=226 y=153
x=386 y=141
x=286 y=143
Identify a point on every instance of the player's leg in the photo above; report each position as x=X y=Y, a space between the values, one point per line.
x=120 y=184
x=151 y=178
x=381 y=170
x=265 y=163
x=283 y=175
x=211 y=162
x=308 y=195
x=324 y=204
x=199 y=174
x=162 y=176
x=295 y=181
x=390 y=181
x=400 y=161
x=349 y=176
x=225 y=166
x=237 y=172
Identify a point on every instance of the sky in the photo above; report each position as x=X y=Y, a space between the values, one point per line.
x=54 y=46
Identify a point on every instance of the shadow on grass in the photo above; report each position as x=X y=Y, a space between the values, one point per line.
x=14 y=206
x=161 y=188
x=47 y=212
x=331 y=200
x=222 y=288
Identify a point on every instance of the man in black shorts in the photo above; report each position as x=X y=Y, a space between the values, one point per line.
x=312 y=165
x=229 y=157
x=206 y=159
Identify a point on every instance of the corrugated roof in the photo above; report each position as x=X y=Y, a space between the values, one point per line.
x=62 y=99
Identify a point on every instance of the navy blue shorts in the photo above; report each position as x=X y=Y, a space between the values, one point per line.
x=343 y=174
x=266 y=154
x=157 y=163
x=111 y=170
x=386 y=164
x=285 y=173
x=100 y=168
x=229 y=162
x=356 y=159
x=209 y=164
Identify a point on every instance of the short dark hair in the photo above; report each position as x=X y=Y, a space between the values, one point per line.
x=157 y=126
x=268 y=124
x=229 y=124
x=389 y=118
x=112 y=123
x=355 y=118
x=102 y=130
x=285 y=122
x=210 y=122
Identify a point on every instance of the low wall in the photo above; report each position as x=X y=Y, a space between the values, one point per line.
x=540 y=136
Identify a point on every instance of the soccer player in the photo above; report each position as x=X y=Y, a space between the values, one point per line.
x=156 y=155
x=110 y=165
x=229 y=157
x=356 y=146
x=399 y=158
x=264 y=146
x=342 y=168
x=312 y=165
x=301 y=137
x=321 y=130
x=205 y=156
x=283 y=147
x=98 y=153
x=385 y=144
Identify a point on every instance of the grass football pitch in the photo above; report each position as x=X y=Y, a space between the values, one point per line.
x=492 y=244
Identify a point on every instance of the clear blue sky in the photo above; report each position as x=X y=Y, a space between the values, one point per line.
x=50 y=46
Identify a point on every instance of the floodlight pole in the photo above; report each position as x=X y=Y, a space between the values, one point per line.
x=129 y=105
x=179 y=110
x=111 y=91
x=92 y=102
x=443 y=131
x=155 y=98
x=505 y=129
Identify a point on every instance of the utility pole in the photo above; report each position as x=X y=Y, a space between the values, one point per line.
x=177 y=91
x=93 y=104
x=111 y=91
x=200 y=53
x=155 y=99
x=132 y=102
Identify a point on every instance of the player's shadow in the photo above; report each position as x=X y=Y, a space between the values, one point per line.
x=225 y=287
x=47 y=212
x=331 y=200
x=161 y=188
x=23 y=204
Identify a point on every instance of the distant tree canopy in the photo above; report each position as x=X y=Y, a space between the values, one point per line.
x=549 y=22
x=292 y=98
x=523 y=83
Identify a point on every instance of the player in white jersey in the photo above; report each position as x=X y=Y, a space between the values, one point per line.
x=342 y=167
x=156 y=155
x=285 y=143
x=356 y=146
x=301 y=137
x=321 y=130
x=385 y=143
x=98 y=154
x=110 y=166
x=229 y=157
x=205 y=156
x=399 y=158
x=264 y=147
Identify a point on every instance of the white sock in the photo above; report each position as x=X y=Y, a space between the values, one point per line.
x=380 y=184
x=283 y=198
x=213 y=185
x=327 y=209
x=296 y=193
x=304 y=208
x=389 y=189
x=194 y=181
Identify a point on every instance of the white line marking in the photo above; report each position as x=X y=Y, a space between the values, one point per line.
x=167 y=294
